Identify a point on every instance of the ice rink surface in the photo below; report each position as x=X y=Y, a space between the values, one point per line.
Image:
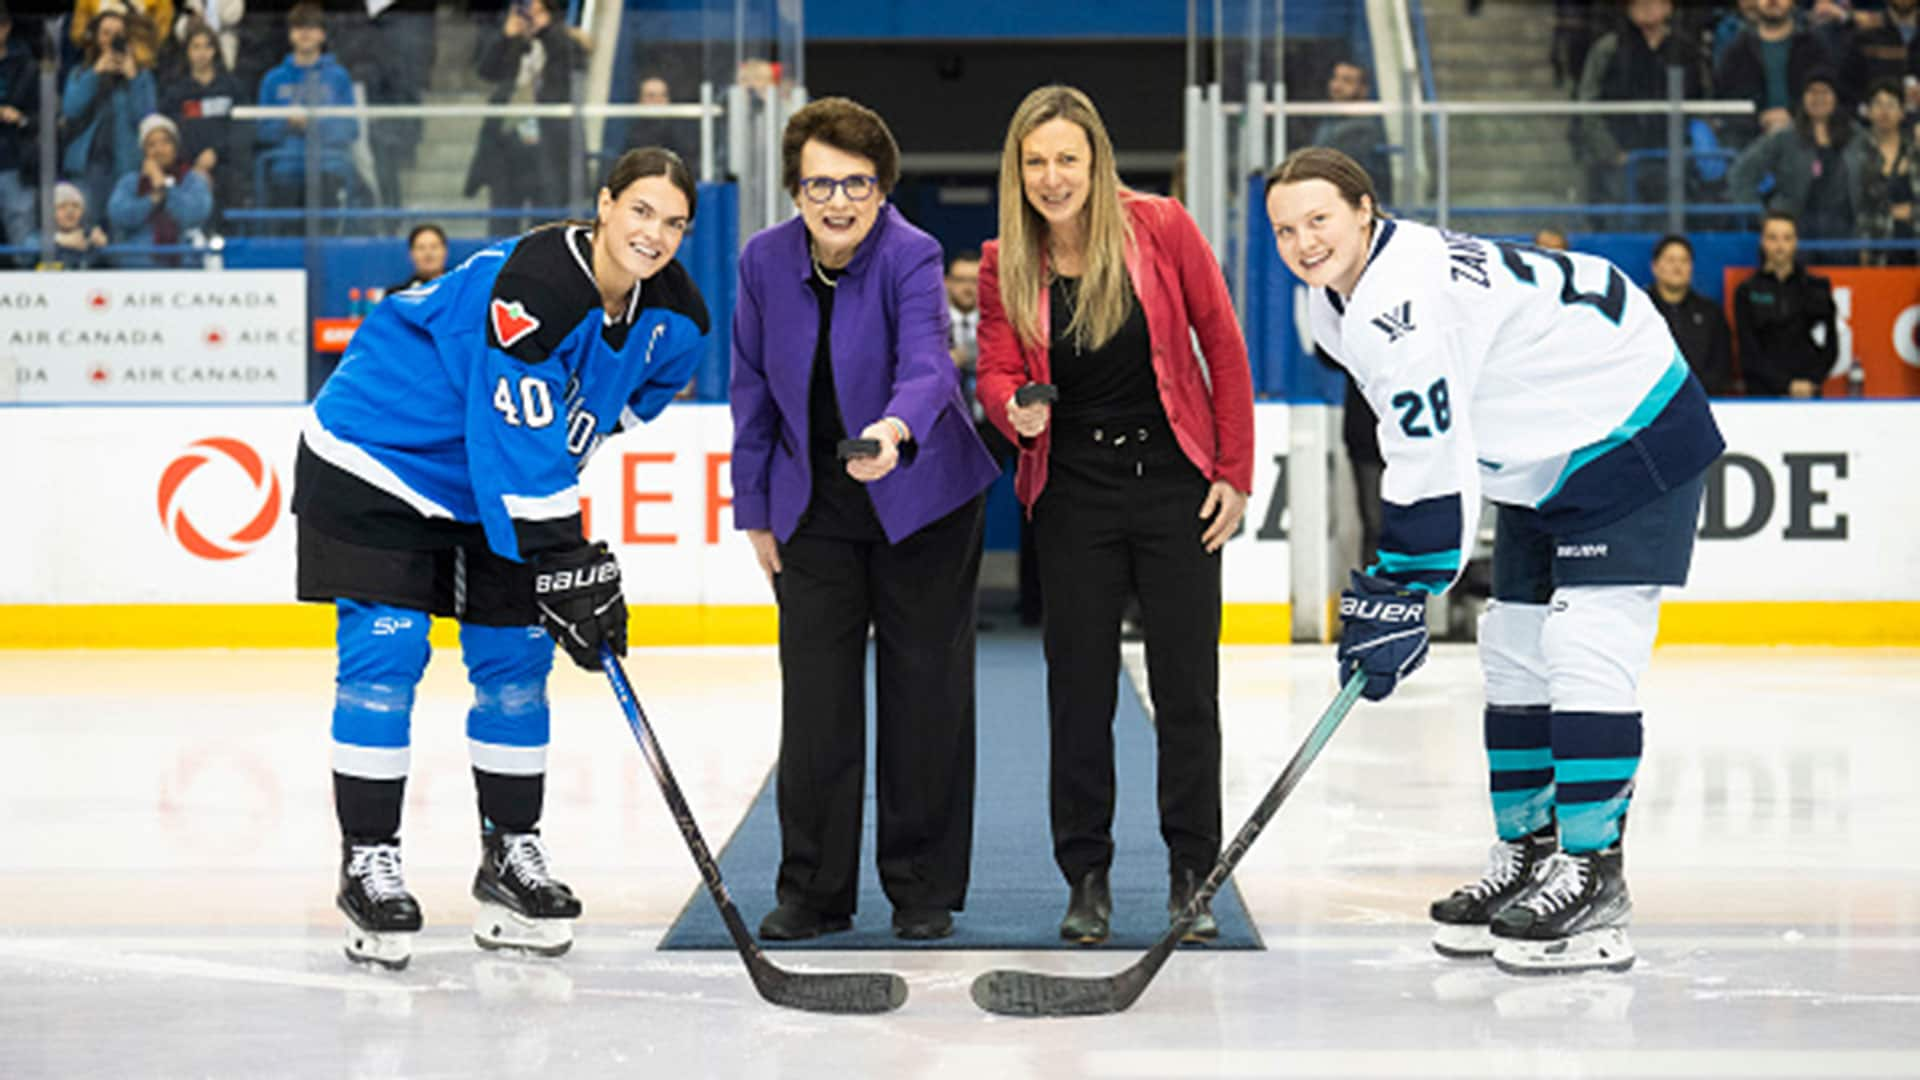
x=171 y=852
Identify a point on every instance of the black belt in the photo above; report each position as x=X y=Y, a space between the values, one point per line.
x=1118 y=433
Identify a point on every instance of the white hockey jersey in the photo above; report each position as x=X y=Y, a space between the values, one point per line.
x=1538 y=378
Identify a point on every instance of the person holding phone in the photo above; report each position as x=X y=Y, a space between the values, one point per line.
x=1135 y=477
x=107 y=95
x=841 y=330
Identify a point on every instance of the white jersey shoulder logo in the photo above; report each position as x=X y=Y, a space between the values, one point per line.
x=511 y=322
x=1396 y=322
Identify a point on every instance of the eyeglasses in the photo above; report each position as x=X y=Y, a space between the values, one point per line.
x=857 y=188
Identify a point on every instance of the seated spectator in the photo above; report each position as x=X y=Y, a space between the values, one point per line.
x=680 y=136
x=19 y=121
x=1550 y=239
x=1784 y=317
x=1768 y=64
x=164 y=201
x=1362 y=138
x=1699 y=327
x=1808 y=163
x=223 y=17
x=106 y=96
x=427 y=250
x=1884 y=166
x=199 y=97
x=308 y=76
x=1885 y=50
x=1630 y=64
x=76 y=245
x=147 y=24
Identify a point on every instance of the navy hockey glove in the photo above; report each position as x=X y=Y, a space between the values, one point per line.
x=1385 y=633
x=581 y=605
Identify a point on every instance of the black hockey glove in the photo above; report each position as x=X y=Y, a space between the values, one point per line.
x=578 y=594
x=1385 y=634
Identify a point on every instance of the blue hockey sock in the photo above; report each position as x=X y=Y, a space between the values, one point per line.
x=1595 y=756
x=1520 y=763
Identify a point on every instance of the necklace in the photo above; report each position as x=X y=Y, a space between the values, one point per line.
x=821 y=273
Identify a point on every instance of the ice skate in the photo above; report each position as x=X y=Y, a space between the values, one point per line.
x=382 y=916
x=521 y=905
x=1462 y=918
x=1574 y=919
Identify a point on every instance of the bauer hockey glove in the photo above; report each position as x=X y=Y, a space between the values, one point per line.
x=1385 y=633
x=578 y=594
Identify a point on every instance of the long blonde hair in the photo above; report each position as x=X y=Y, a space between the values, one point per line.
x=1105 y=297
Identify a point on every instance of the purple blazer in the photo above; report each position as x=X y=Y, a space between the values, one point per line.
x=889 y=359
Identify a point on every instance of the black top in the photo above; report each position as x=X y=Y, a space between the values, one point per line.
x=1700 y=329
x=840 y=507
x=1112 y=384
x=1777 y=322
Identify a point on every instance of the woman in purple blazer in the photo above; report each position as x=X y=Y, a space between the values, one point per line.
x=840 y=332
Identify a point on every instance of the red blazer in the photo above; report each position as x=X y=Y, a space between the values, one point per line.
x=1180 y=287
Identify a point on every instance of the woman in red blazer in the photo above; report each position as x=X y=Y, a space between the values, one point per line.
x=1134 y=477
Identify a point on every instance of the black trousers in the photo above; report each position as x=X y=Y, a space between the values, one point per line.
x=1119 y=517
x=918 y=597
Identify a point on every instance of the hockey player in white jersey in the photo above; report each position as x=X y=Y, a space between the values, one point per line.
x=1545 y=382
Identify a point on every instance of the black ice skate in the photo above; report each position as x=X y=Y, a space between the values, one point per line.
x=1462 y=919
x=1573 y=919
x=382 y=916
x=521 y=905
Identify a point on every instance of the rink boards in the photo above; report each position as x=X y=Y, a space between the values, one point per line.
x=169 y=527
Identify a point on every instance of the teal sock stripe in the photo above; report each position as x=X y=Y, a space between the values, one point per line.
x=1591 y=826
x=1595 y=758
x=1522 y=813
x=1520 y=768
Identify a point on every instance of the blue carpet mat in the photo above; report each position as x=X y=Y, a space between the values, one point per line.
x=1017 y=895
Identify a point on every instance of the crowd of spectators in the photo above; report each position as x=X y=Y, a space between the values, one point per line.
x=1812 y=69
x=122 y=64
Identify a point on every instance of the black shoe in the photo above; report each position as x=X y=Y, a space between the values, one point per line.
x=1180 y=889
x=922 y=924
x=1089 y=910
x=797 y=922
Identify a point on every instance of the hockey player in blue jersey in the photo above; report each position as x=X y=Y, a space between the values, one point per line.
x=1547 y=383
x=437 y=475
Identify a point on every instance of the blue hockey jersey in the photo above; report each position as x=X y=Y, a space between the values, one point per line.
x=478 y=397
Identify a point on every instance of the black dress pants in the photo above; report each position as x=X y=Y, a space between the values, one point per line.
x=1120 y=516
x=918 y=596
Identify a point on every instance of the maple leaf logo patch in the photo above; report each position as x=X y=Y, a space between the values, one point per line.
x=511 y=322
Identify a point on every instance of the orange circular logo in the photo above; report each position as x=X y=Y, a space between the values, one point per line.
x=265 y=481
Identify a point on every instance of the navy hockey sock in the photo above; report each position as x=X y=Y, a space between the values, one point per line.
x=1520 y=761
x=1595 y=756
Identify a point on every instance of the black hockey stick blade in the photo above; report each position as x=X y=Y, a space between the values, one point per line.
x=1032 y=993
x=845 y=993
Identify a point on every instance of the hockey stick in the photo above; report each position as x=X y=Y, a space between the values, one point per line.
x=853 y=992
x=1030 y=993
